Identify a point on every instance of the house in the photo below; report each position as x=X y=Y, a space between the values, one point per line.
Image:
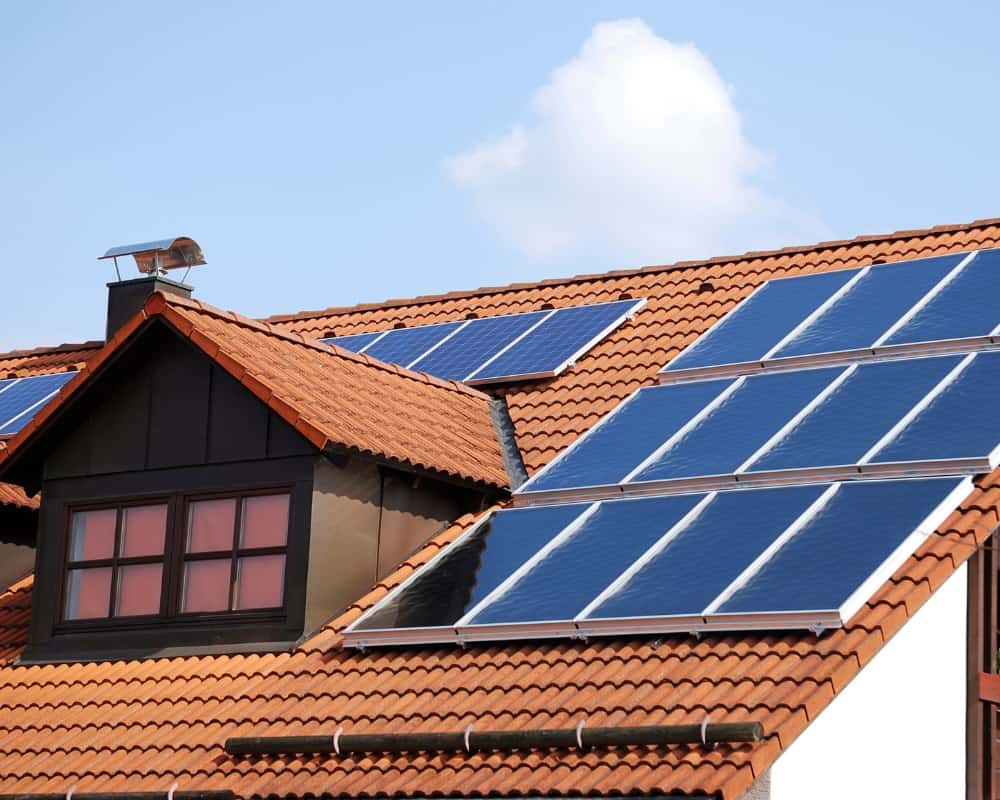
x=211 y=505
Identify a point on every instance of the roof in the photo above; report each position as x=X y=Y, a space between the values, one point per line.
x=141 y=725
x=334 y=398
x=684 y=299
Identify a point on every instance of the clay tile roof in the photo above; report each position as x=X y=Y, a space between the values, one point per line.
x=141 y=725
x=44 y=360
x=334 y=398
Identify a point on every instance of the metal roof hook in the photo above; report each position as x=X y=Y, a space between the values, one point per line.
x=468 y=738
x=171 y=790
x=336 y=739
x=704 y=730
x=70 y=792
x=579 y=732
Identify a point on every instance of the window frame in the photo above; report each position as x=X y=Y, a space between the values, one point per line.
x=174 y=559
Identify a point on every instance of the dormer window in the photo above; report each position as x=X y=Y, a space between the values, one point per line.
x=234 y=553
x=114 y=567
x=179 y=557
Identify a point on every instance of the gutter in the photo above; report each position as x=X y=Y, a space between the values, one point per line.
x=202 y=795
x=470 y=740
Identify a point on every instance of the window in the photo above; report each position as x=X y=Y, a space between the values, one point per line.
x=234 y=553
x=177 y=558
x=115 y=562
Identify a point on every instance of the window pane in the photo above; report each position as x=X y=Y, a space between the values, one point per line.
x=260 y=582
x=139 y=590
x=143 y=530
x=88 y=593
x=206 y=585
x=211 y=524
x=265 y=521
x=92 y=535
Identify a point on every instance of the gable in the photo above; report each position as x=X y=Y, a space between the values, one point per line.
x=164 y=404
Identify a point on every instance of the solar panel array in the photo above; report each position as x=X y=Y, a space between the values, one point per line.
x=510 y=347
x=941 y=303
x=22 y=398
x=738 y=499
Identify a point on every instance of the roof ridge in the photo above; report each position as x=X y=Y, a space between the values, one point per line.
x=66 y=347
x=263 y=326
x=301 y=316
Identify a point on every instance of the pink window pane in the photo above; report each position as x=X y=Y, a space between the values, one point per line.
x=211 y=524
x=265 y=521
x=206 y=586
x=92 y=535
x=88 y=593
x=143 y=530
x=139 y=590
x=260 y=582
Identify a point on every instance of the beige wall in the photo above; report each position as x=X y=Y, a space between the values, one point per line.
x=364 y=523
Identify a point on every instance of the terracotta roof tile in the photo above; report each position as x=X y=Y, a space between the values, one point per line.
x=130 y=726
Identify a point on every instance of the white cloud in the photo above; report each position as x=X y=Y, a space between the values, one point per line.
x=634 y=147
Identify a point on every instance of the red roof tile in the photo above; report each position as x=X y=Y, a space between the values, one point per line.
x=141 y=725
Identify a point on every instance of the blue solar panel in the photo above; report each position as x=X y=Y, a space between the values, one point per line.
x=966 y=306
x=609 y=452
x=733 y=432
x=561 y=584
x=870 y=307
x=560 y=338
x=356 y=342
x=958 y=423
x=22 y=399
x=852 y=419
x=823 y=564
x=476 y=343
x=762 y=321
x=472 y=568
x=403 y=346
x=706 y=556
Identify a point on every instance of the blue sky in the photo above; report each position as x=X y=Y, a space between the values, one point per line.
x=326 y=154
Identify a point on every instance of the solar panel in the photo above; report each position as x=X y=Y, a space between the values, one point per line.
x=966 y=306
x=403 y=346
x=627 y=436
x=763 y=321
x=556 y=342
x=22 y=398
x=355 y=342
x=859 y=527
x=509 y=347
x=876 y=301
x=475 y=344
x=719 y=560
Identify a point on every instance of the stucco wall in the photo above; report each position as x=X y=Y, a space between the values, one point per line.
x=898 y=730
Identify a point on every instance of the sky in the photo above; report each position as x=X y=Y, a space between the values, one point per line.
x=325 y=154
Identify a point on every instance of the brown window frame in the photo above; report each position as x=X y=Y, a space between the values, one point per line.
x=173 y=559
x=116 y=561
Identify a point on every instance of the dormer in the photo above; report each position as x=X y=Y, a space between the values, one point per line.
x=209 y=483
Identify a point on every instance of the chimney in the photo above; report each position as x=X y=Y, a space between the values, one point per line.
x=153 y=259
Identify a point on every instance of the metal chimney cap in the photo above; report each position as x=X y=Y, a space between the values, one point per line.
x=155 y=258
